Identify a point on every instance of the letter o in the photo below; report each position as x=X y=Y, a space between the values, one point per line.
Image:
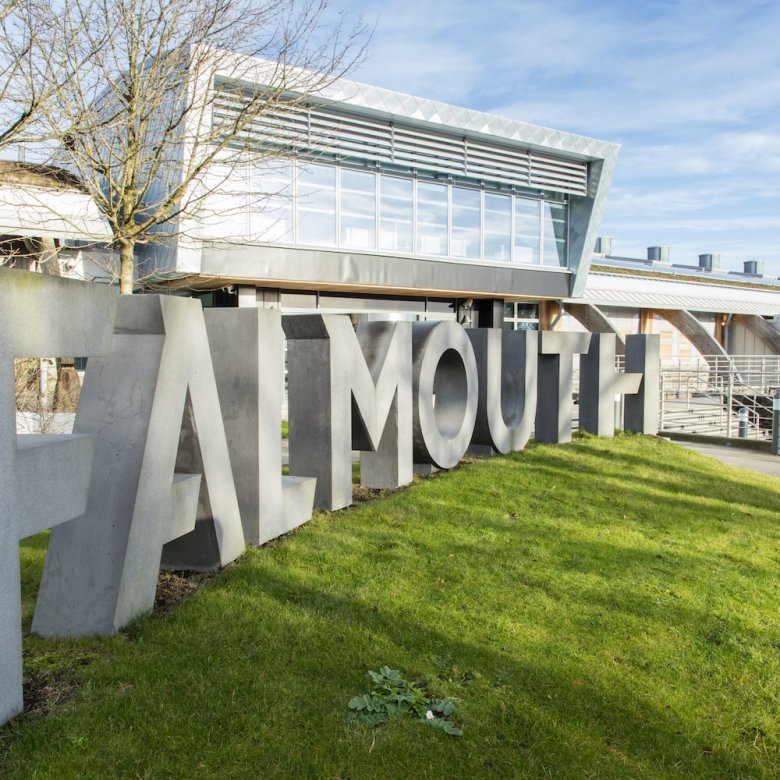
x=444 y=376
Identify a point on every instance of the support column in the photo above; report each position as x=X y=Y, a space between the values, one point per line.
x=247 y=297
x=548 y=312
x=720 y=329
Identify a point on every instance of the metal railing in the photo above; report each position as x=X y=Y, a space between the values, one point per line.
x=720 y=396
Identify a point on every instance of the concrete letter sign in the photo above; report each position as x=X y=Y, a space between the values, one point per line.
x=44 y=479
x=599 y=384
x=445 y=393
x=246 y=349
x=506 y=364
x=101 y=569
x=556 y=384
x=348 y=391
x=643 y=356
x=387 y=348
x=147 y=476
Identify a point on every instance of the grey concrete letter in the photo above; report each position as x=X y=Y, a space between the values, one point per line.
x=44 y=479
x=101 y=569
x=446 y=393
x=246 y=350
x=599 y=384
x=344 y=391
x=556 y=384
x=507 y=366
x=643 y=356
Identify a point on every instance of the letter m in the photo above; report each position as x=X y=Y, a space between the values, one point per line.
x=349 y=390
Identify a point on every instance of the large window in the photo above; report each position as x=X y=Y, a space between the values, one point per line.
x=316 y=204
x=554 y=220
x=271 y=202
x=358 y=209
x=396 y=214
x=498 y=227
x=466 y=223
x=432 y=218
x=367 y=210
x=527 y=230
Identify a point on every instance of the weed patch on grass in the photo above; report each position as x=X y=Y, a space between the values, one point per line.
x=393 y=697
x=175 y=586
x=44 y=690
x=51 y=680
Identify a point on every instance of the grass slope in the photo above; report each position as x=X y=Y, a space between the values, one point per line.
x=609 y=609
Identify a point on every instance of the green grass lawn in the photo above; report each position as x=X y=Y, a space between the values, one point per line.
x=609 y=608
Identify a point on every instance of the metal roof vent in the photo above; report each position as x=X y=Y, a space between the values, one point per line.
x=709 y=262
x=659 y=254
x=603 y=246
x=754 y=267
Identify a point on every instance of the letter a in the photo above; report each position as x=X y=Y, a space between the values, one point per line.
x=101 y=568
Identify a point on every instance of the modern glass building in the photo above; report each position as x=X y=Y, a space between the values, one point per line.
x=369 y=200
x=380 y=204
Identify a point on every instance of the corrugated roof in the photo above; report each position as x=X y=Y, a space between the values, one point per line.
x=642 y=292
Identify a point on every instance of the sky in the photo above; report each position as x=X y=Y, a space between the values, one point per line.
x=689 y=89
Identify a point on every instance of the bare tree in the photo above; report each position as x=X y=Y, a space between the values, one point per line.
x=145 y=117
x=32 y=74
x=32 y=71
x=22 y=90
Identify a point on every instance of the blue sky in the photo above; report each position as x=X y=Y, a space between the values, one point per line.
x=690 y=89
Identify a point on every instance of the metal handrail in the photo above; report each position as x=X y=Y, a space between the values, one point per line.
x=721 y=395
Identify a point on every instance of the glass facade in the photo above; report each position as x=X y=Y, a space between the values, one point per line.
x=527 y=231
x=466 y=223
x=554 y=233
x=316 y=205
x=396 y=214
x=357 y=198
x=271 y=208
x=497 y=229
x=367 y=210
x=432 y=219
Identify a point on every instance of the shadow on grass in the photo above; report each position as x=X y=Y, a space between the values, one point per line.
x=613 y=674
x=691 y=475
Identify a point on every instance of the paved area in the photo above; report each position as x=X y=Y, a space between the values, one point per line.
x=753 y=460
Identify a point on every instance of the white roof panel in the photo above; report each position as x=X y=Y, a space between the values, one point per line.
x=651 y=293
x=44 y=212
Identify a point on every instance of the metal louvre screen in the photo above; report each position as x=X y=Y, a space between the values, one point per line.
x=319 y=132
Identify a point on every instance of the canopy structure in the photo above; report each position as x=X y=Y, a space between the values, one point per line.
x=605 y=289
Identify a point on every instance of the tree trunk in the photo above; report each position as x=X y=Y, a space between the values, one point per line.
x=68 y=387
x=126 y=266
